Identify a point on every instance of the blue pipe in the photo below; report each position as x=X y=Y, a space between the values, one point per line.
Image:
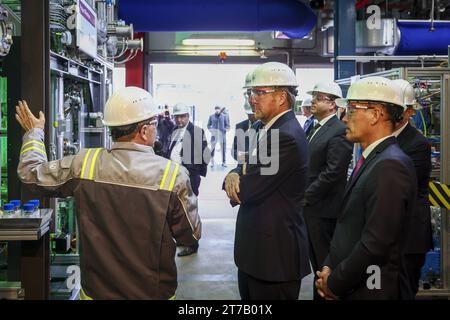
x=293 y=18
x=416 y=39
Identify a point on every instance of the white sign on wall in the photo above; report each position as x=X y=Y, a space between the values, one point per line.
x=86 y=29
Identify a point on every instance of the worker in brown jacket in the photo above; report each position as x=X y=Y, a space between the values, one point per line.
x=131 y=204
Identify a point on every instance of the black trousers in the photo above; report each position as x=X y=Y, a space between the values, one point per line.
x=195 y=182
x=320 y=233
x=251 y=288
x=414 y=264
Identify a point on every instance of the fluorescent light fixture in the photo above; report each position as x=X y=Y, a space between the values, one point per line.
x=216 y=53
x=218 y=42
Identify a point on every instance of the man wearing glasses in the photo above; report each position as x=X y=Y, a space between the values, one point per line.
x=271 y=243
x=366 y=253
x=329 y=156
x=188 y=146
x=131 y=203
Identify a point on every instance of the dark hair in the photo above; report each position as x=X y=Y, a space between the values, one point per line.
x=394 y=112
x=123 y=131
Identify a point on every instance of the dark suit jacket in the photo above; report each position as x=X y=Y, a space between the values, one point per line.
x=271 y=242
x=417 y=147
x=238 y=145
x=193 y=154
x=309 y=124
x=329 y=156
x=373 y=225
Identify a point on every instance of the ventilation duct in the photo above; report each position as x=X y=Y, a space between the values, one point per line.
x=293 y=18
x=416 y=37
x=404 y=37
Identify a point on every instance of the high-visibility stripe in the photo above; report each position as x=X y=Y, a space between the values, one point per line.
x=174 y=176
x=83 y=168
x=94 y=159
x=163 y=181
x=440 y=194
x=84 y=296
x=33 y=141
x=174 y=297
x=34 y=148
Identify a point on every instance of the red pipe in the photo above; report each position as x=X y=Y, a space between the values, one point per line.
x=134 y=69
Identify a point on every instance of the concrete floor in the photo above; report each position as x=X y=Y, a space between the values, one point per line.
x=211 y=274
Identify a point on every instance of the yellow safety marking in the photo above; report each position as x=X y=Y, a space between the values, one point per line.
x=84 y=296
x=83 y=168
x=446 y=189
x=33 y=141
x=439 y=195
x=174 y=297
x=91 y=172
x=163 y=181
x=433 y=202
x=174 y=176
x=34 y=148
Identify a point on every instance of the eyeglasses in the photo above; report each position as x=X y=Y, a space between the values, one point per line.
x=248 y=93
x=352 y=107
x=261 y=92
x=320 y=98
x=153 y=123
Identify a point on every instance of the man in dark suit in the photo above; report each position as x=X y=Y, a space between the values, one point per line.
x=366 y=253
x=417 y=147
x=189 y=147
x=329 y=156
x=271 y=244
x=310 y=120
x=240 y=141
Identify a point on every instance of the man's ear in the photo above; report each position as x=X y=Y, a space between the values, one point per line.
x=142 y=132
x=376 y=115
x=283 y=97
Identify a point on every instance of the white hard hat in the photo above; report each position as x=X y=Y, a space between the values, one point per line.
x=129 y=105
x=307 y=102
x=327 y=87
x=273 y=74
x=180 y=108
x=248 y=108
x=248 y=80
x=408 y=93
x=376 y=88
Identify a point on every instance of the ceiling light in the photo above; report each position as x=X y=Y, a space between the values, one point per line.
x=230 y=53
x=218 y=42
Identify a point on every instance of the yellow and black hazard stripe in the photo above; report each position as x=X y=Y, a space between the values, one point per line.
x=88 y=168
x=439 y=195
x=170 y=175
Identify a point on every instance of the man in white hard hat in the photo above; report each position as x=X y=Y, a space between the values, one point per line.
x=188 y=146
x=366 y=253
x=131 y=203
x=241 y=141
x=271 y=243
x=417 y=147
x=310 y=120
x=329 y=157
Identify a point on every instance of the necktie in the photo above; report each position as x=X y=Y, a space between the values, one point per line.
x=357 y=167
x=311 y=133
